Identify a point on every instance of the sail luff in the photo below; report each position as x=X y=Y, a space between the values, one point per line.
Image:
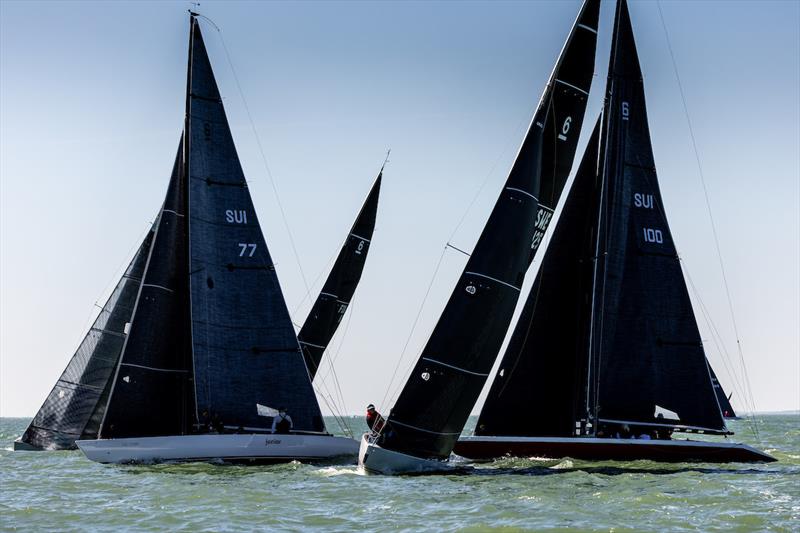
x=327 y=311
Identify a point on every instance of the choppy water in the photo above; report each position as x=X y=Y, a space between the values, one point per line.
x=60 y=491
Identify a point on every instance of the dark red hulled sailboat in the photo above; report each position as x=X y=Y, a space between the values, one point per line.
x=606 y=361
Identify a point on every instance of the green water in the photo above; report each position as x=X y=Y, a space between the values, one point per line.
x=63 y=491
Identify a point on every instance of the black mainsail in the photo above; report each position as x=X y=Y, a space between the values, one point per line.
x=434 y=404
x=608 y=335
x=211 y=340
x=338 y=290
x=75 y=406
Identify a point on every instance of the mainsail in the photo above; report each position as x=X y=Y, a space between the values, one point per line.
x=211 y=340
x=74 y=408
x=608 y=334
x=434 y=404
x=645 y=348
x=333 y=300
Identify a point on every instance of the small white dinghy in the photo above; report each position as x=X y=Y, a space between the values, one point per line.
x=245 y=448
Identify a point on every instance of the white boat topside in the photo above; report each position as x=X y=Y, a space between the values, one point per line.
x=374 y=459
x=227 y=447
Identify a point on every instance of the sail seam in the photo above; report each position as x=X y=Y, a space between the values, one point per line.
x=493 y=279
x=108 y=331
x=156 y=286
x=585 y=27
x=562 y=82
x=171 y=211
x=425 y=430
x=154 y=368
x=334 y=296
x=312 y=344
x=360 y=237
x=454 y=367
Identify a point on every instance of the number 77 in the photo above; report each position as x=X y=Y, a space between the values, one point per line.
x=244 y=247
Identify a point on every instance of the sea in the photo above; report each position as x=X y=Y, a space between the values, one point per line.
x=63 y=491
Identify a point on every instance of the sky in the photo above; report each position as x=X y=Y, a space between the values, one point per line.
x=91 y=109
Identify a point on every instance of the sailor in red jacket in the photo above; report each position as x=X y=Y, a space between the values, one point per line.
x=375 y=421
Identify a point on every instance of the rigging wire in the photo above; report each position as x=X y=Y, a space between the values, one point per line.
x=710 y=214
x=263 y=157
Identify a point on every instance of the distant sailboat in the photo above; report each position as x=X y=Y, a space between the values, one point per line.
x=211 y=356
x=723 y=399
x=607 y=344
x=339 y=287
x=435 y=403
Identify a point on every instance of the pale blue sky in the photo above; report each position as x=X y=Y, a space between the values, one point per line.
x=91 y=108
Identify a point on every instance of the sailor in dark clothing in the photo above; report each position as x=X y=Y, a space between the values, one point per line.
x=375 y=421
x=282 y=423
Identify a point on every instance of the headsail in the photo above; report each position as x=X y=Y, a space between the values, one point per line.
x=333 y=300
x=154 y=373
x=538 y=388
x=74 y=408
x=645 y=347
x=452 y=369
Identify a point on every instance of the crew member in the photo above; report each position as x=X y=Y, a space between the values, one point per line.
x=375 y=421
x=282 y=423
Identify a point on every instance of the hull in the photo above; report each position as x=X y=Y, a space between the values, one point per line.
x=376 y=460
x=20 y=446
x=248 y=448
x=673 y=451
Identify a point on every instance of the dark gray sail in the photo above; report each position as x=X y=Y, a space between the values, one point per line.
x=538 y=388
x=332 y=302
x=723 y=399
x=151 y=393
x=567 y=97
x=445 y=383
x=646 y=354
x=75 y=405
x=245 y=348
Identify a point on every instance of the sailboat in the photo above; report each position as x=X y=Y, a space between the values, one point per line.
x=75 y=406
x=723 y=399
x=431 y=410
x=606 y=361
x=210 y=362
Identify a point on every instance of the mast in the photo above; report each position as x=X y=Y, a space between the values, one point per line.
x=326 y=314
x=436 y=401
